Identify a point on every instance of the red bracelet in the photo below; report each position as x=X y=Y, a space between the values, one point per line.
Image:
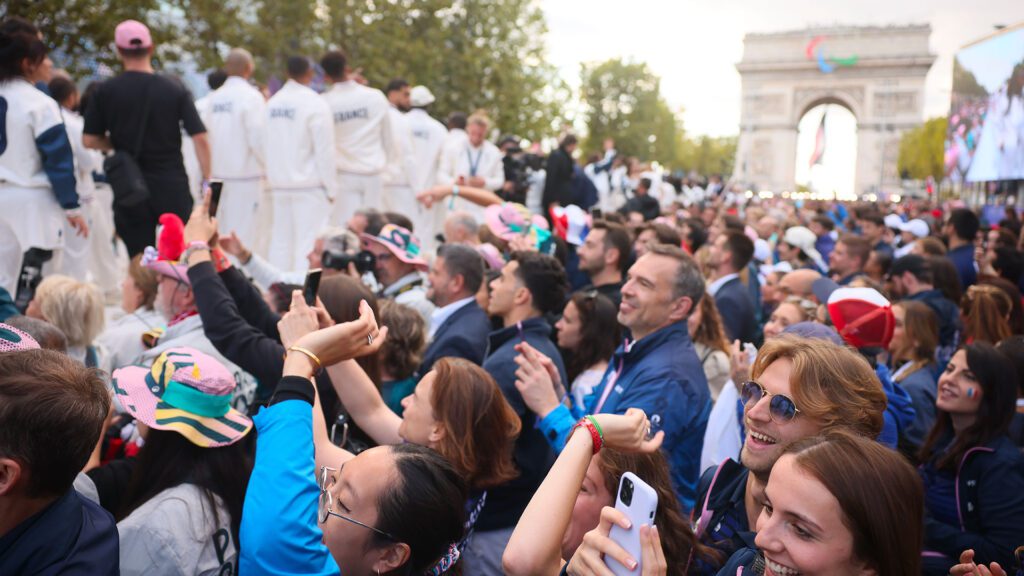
x=594 y=434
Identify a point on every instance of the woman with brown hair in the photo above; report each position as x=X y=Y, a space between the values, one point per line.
x=912 y=357
x=837 y=504
x=985 y=311
x=576 y=496
x=588 y=332
x=401 y=353
x=973 y=474
x=710 y=343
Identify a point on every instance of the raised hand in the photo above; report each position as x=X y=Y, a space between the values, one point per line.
x=360 y=337
x=629 y=432
x=533 y=380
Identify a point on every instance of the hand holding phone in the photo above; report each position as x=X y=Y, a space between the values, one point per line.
x=639 y=502
x=215 y=189
x=311 y=286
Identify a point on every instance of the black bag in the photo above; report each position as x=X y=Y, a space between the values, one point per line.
x=123 y=172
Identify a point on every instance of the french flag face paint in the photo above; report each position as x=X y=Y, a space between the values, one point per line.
x=972 y=392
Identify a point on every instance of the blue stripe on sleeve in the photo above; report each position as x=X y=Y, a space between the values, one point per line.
x=59 y=164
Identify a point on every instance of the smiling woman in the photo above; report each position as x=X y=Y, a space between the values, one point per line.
x=837 y=504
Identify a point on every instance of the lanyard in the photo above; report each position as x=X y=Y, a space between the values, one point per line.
x=473 y=166
x=612 y=379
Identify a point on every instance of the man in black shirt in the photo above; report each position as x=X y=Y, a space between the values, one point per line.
x=115 y=118
x=558 y=179
x=642 y=202
x=604 y=255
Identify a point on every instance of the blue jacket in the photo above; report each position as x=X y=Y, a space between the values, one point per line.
x=990 y=506
x=899 y=409
x=720 y=514
x=921 y=386
x=948 y=314
x=73 y=535
x=661 y=375
x=963 y=260
x=533 y=456
x=825 y=244
x=737 y=311
x=462 y=335
x=280 y=534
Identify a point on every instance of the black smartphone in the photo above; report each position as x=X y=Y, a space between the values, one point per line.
x=215 y=187
x=596 y=213
x=312 y=286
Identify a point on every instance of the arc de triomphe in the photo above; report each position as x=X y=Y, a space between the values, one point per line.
x=878 y=73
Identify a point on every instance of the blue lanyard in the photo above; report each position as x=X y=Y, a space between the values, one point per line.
x=473 y=166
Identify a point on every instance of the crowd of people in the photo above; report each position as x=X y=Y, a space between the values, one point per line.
x=499 y=344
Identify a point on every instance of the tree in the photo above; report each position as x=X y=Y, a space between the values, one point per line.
x=921 y=150
x=708 y=155
x=472 y=54
x=622 y=100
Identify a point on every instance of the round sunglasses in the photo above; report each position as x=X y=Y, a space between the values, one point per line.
x=781 y=408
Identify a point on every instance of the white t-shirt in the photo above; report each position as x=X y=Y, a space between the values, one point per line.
x=362 y=128
x=299 y=147
x=235 y=116
x=177 y=532
x=86 y=161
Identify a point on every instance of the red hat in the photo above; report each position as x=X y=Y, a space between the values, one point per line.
x=165 y=259
x=862 y=316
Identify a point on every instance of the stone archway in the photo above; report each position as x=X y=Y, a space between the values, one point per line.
x=878 y=73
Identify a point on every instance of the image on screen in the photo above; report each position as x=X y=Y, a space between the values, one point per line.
x=985 y=141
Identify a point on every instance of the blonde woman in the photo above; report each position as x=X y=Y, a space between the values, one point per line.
x=76 y=308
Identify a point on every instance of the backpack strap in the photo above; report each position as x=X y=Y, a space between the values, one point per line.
x=705 y=513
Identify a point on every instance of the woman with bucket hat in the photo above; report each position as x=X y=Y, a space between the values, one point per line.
x=182 y=509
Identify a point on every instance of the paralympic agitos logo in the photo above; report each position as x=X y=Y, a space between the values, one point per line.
x=816 y=51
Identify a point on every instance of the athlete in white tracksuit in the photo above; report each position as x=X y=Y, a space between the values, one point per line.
x=428 y=137
x=299 y=152
x=363 y=145
x=477 y=163
x=75 y=261
x=235 y=117
x=37 y=178
x=398 y=193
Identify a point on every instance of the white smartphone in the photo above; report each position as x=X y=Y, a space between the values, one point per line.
x=638 y=502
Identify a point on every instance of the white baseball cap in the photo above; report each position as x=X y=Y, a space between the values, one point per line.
x=917 y=227
x=420 y=96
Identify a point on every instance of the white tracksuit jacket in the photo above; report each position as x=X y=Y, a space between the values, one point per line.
x=363 y=141
x=235 y=116
x=299 y=147
x=428 y=138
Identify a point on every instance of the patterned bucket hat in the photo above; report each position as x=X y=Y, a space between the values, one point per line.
x=14 y=340
x=400 y=242
x=185 y=391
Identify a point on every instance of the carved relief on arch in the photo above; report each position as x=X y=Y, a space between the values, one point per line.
x=851 y=97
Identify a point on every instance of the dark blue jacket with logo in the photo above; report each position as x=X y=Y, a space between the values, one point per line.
x=661 y=375
x=990 y=507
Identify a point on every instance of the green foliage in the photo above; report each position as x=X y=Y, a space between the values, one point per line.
x=965 y=83
x=921 y=150
x=472 y=54
x=622 y=100
x=708 y=155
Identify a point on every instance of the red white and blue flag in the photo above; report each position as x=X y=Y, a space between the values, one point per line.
x=819 y=142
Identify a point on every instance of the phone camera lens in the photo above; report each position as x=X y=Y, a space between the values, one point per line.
x=626 y=493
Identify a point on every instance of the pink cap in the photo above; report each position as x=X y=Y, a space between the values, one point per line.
x=132 y=34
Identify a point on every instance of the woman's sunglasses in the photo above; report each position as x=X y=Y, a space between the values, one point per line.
x=780 y=407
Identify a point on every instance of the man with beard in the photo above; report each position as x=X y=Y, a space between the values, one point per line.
x=603 y=256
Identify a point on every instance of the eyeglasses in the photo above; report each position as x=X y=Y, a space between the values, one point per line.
x=327 y=502
x=781 y=408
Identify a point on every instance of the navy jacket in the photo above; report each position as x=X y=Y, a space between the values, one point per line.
x=720 y=514
x=963 y=260
x=462 y=335
x=990 y=506
x=73 y=535
x=737 y=311
x=922 y=387
x=947 y=312
x=662 y=375
x=533 y=456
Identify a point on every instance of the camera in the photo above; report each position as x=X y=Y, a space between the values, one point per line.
x=364 y=261
x=626 y=492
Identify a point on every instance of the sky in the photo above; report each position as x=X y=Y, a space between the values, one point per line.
x=694 y=45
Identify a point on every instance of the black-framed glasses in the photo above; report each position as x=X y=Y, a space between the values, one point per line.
x=326 y=504
x=781 y=408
